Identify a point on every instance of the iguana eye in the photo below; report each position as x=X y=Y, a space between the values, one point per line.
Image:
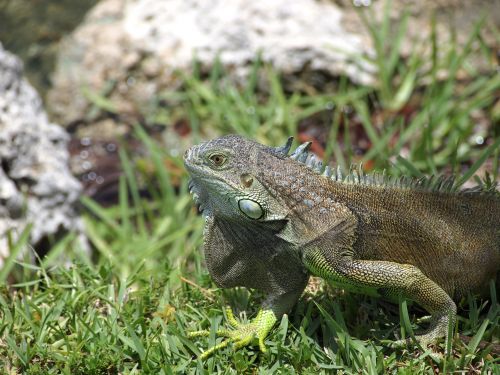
x=218 y=159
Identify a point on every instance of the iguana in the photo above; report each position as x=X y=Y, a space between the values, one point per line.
x=272 y=219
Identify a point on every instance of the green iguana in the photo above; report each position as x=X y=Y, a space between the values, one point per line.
x=272 y=219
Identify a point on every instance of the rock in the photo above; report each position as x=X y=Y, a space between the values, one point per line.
x=128 y=50
x=32 y=29
x=36 y=185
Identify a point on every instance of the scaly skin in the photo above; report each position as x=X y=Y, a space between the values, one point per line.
x=242 y=334
x=273 y=219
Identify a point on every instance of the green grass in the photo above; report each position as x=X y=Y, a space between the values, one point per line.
x=127 y=308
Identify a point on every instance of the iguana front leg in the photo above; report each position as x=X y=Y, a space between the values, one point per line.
x=237 y=256
x=258 y=329
x=392 y=278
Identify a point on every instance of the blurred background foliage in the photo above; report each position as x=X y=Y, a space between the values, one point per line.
x=32 y=29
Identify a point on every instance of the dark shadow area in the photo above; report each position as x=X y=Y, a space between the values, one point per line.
x=32 y=30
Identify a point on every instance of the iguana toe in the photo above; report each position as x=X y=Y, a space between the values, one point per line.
x=438 y=330
x=242 y=334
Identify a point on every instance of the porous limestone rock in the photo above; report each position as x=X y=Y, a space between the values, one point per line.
x=36 y=185
x=127 y=50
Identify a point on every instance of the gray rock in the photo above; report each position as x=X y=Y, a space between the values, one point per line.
x=36 y=185
x=288 y=34
x=129 y=49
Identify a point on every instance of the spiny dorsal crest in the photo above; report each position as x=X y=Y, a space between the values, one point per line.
x=356 y=174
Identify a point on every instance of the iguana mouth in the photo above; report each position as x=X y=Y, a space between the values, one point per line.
x=196 y=195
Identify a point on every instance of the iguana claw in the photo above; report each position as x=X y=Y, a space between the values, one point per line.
x=242 y=334
x=437 y=330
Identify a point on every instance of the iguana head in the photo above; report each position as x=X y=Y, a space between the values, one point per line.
x=224 y=179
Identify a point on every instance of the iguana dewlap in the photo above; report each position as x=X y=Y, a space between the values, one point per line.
x=272 y=219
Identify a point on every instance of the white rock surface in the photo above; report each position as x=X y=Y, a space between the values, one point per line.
x=288 y=34
x=134 y=46
x=128 y=50
x=36 y=185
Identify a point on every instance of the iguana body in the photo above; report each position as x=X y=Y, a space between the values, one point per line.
x=273 y=219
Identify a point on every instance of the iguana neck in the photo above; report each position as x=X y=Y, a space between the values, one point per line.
x=247 y=254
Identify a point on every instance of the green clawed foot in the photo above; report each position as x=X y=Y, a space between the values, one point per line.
x=423 y=341
x=242 y=334
x=437 y=330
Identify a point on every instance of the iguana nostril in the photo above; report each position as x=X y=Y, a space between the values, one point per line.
x=246 y=180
